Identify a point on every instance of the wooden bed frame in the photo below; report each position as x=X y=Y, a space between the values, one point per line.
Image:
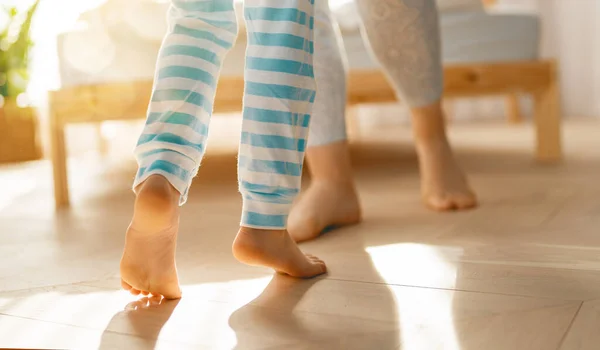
x=128 y=101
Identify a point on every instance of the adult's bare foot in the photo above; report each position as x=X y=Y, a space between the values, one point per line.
x=277 y=250
x=148 y=262
x=331 y=199
x=323 y=205
x=444 y=186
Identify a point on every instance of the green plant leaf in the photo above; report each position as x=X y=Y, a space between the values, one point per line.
x=14 y=57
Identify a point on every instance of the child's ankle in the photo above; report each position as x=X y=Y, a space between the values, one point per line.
x=258 y=231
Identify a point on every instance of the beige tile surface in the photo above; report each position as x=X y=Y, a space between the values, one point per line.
x=520 y=272
x=583 y=334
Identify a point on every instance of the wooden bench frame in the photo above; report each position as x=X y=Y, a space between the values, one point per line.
x=128 y=101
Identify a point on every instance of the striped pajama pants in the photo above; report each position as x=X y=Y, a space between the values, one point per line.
x=278 y=97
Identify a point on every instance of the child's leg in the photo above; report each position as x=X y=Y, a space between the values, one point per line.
x=405 y=38
x=279 y=94
x=331 y=198
x=172 y=144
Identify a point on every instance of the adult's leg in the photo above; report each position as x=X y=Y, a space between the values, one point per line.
x=405 y=38
x=279 y=94
x=173 y=141
x=331 y=198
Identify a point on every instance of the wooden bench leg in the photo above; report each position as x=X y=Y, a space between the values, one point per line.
x=59 y=163
x=548 y=121
x=102 y=142
x=513 y=109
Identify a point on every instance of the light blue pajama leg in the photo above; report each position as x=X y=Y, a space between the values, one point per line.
x=279 y=94
x=173 y=141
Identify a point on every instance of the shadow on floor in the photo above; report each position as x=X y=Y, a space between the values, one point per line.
x=143 y=318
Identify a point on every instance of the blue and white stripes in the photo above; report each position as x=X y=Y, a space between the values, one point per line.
x=279 y=93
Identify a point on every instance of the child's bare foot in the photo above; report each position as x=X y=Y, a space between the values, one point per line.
x=148 y=262
x=277 y=250
x=443 y=183
x=325 y=204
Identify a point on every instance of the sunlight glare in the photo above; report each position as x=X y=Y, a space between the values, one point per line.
x=230 y=291
x=109 y=130
x=93 y=60
x=140 y=16
x=338 y=3
x=17 y=186
x=22 y=100
x=434 y=264
x=425 y=315
x=92 y=310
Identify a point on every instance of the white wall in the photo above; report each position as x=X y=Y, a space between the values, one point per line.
x=571 y=34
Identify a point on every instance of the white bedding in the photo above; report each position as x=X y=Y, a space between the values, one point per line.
x=473 y=36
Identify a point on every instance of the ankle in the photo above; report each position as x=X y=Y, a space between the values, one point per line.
x=330 y=163
x=157 y=202
x=249 y=244
x=257 y=232
x=157 y=188
x=432 y=142
x=429 y=125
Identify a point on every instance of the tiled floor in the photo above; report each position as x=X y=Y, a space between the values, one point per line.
x=520 y=272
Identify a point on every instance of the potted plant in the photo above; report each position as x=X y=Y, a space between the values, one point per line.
x=18 y=121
